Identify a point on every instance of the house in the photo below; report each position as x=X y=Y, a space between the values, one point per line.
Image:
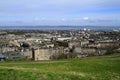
x=73 y=43
x=109 y=44
x=64 y=38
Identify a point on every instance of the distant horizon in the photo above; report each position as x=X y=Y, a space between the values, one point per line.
x=59 y=27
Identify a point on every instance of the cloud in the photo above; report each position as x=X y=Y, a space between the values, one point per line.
x=85 y=18
x=63 y=19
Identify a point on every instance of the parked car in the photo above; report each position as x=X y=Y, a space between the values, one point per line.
x=2 y=57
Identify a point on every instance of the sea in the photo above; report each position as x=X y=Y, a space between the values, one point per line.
x=59 y=27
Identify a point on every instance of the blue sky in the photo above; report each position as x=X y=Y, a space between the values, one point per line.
x=60 y=12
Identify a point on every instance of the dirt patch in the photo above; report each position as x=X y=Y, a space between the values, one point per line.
x=77 y=73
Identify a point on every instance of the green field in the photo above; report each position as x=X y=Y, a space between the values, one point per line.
x=91 y=68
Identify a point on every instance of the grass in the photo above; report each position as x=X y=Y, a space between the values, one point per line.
x=91 y=68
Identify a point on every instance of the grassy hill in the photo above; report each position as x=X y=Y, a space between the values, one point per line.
x=91 y=68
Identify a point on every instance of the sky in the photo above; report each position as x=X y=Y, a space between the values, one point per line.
x=60 y=12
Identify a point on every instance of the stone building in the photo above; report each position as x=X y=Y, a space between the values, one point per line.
x=46 y=54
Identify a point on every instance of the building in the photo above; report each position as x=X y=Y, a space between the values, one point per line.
x=47 y=53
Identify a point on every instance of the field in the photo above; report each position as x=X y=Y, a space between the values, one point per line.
x=90 y=68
